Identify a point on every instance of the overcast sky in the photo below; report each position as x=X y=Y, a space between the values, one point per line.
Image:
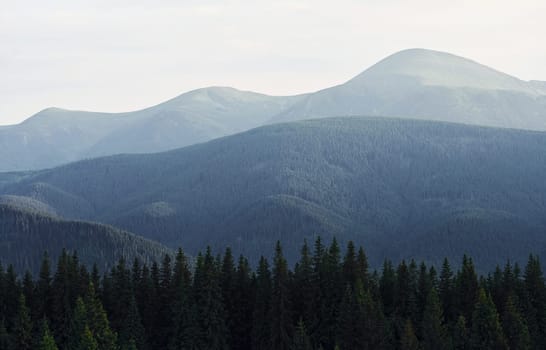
x=124 y=55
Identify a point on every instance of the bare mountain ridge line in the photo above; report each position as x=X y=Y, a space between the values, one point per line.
x=415 y=84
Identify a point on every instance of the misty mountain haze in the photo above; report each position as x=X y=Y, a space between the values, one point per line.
x=415 y=83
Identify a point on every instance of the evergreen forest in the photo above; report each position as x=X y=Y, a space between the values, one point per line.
x=330 y=299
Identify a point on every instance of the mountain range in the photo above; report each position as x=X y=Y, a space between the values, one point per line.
x=402 y=188
x=415 y=83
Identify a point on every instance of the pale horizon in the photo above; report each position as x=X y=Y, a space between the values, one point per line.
x=122 y=56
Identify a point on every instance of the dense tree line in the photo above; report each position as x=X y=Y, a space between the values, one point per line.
x=329 y=300
x=25 y=234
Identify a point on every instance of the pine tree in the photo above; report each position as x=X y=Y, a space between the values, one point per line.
x=79 y=328
x=47 y=342
x=362 y=268
x=132 y=331
x=408 y=340
x=486 y=329
x=261 y=319
x=434 y=334
x=22 y=330
x=301 y=338
x=243 y=298
x=304 y=289
x=43 y=289
x=182 y=311
x=350 y=323
x=227 y=285
x=211 y=332
x=5 y=339
x=467 y=288
x=446 y=291
x=98 y=321
x=535 y=295
x=515 y=328
x=86 y=340
x=460 y=335
x=387 y=287
x=281 y=331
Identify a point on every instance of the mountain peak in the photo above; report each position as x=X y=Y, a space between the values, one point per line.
x=436 y=68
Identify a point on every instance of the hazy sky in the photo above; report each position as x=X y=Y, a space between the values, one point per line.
x=124 y=55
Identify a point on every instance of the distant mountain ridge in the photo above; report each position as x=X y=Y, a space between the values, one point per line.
x=430 y=85
x=55 y=136
x=415 y=84
x=402 y=188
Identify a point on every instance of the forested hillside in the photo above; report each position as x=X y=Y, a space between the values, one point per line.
x=329 y=300
x=406 y=188
x=25 y=235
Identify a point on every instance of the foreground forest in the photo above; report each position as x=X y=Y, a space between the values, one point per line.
x=329 y=300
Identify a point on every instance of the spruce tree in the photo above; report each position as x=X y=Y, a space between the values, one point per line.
x=304 y=289
x=351 y=322
x=43 y=289
x=5 y=339
x=460 y=335
x=227 y=285
x=467 y=288
x=243 y=299
x=181 y=283
x=301 y=338
x=86 y=340
x=515 y=327
x=132 y=331
x=446 y=291
x=46 y=341
x=98 y=321
x=434 y=333
x=535 y=295
x=211 y=331
x=281 y=324
x=261 y=318
x=22 y=329
x=387 y=287
x=408 y=340
x=486 y=328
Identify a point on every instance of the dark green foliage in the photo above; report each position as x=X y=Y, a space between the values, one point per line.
x=433 y=330
x=208 y=308
x=46 y=341
x=22 y=329
x=409 y=340
x=215 y=302
x=467 y=288
x=97 y=321
x=486 y=331
x=301 y=338
x=26 y=235
x=5 y=339
x=281 y=318
x=261 y=320
x=515 y=327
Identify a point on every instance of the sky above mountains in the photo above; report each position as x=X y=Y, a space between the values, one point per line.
x=124 y=55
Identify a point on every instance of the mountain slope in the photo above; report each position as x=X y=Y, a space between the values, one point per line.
x=25 y=234
x=56 y=136
x=392 y=185
x=415 y=83
x=431 y=85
